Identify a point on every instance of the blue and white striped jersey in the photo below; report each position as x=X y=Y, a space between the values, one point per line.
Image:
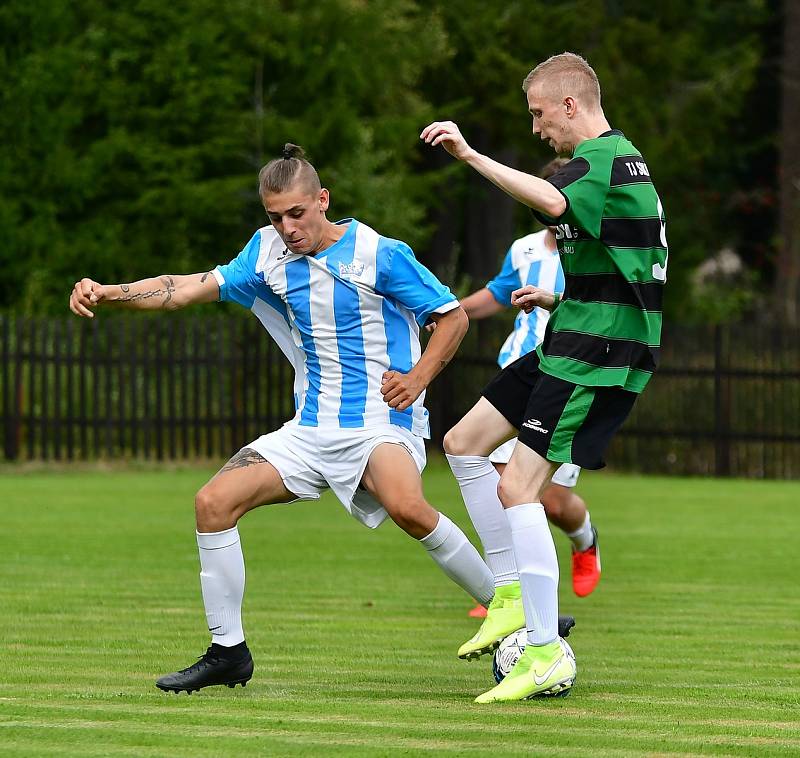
x=342 y=317
x=528 y=261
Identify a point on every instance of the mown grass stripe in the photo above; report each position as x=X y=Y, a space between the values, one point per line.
x=355 y=648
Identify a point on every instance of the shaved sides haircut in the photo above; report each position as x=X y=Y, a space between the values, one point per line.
x=566 y=75
x=281 y=174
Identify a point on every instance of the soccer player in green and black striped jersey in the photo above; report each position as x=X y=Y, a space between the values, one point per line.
x=569 y=397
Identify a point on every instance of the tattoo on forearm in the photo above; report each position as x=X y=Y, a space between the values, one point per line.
x=204 y=277
x=442 y=364
x=132 y=297
x=245 y=457
x=169 y=285
x=141 y=296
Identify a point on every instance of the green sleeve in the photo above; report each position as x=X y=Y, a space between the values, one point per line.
x=585 y=182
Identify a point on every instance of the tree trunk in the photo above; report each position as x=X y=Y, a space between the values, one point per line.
x=787 y=289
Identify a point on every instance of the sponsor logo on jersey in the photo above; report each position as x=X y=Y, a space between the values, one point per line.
x=567 y=232
x=351 y=269
x=637 y=168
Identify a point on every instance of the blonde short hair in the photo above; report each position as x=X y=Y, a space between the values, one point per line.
x=567 y=74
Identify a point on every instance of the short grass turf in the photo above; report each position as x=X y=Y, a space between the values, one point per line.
x=688 y=647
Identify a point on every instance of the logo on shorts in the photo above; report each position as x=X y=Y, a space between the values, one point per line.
x=351 y=269
x=535 y=425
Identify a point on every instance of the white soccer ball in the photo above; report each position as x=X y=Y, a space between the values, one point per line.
x=510 y=650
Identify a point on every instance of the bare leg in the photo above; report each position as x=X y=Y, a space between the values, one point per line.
x=564 y=508
x=481 y=430
x=392 y=478
x=243 y=483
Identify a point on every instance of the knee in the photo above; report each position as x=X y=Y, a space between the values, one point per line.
x=507 y=492
x=211 y=512
x=553 y=501
x=455 y=442
x=414 y=516
x=515 y=490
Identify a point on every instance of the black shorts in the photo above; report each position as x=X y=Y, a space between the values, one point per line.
x=561 y=421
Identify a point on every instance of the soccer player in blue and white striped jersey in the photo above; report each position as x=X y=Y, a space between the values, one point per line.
x=345 y=306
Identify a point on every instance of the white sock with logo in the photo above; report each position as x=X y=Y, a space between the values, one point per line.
x=583 y=537
x=478 y=479
x=459 y=559
x=538 y=570
x=222 y=583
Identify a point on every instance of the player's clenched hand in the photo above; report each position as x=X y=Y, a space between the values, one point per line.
x=85 y=294
x=448 y=135
x=529 y=297
x=400 y=390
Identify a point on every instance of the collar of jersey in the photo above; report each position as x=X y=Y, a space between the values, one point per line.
x=350 y=230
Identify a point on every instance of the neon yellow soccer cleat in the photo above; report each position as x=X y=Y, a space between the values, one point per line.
x=541 y=671
x=504 y=615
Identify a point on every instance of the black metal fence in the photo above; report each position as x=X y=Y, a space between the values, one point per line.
x=726 y=400
x=146 y=386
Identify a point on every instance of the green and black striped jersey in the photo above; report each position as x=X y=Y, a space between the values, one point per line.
x=606 y=330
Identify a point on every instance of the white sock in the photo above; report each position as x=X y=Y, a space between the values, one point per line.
x=478 y=478
x=222 y=582
x=459 y=559
x=583 y=537
x=538 y=570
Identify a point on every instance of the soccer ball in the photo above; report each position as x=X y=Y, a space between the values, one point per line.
x=511 y=648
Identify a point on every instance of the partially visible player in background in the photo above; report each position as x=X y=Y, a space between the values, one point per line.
x=533 y=260
x=345 y=305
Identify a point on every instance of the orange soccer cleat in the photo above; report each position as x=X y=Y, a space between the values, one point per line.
x=586 y=568
x=478 y=612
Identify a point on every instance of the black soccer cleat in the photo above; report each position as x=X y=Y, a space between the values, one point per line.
x=565 y=623
x=219 y=665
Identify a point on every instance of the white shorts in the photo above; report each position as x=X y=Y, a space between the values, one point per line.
x=312 y=459
x=566 y=474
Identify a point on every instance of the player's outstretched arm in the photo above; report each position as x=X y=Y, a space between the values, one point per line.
x=529 y=297
x=480 y=304
x=529 y=190
x=167 y=292
x=401 y=390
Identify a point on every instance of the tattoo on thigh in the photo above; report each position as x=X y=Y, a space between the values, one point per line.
x=245 y=457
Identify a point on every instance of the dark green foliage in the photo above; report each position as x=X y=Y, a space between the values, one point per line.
x=674 y=77
x=131 y=134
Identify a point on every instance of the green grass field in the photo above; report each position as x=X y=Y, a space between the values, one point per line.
x=690 y=645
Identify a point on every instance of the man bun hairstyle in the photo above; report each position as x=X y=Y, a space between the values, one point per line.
x=567 y=75
x=281 y=174
x=293 y=151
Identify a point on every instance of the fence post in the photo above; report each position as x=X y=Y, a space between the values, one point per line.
x=9 y=418
x=722 y=408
